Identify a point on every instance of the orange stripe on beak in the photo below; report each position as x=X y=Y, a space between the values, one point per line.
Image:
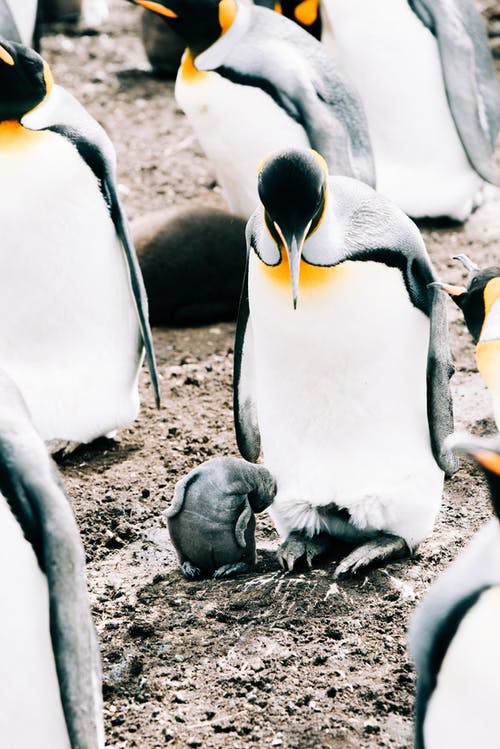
x=6 y=56
x=156 y=8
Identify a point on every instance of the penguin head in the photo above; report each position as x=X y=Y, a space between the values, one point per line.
x=486 y=452
x=477 y=298
x=25 y=80
x=199 y=22
x=293 y=186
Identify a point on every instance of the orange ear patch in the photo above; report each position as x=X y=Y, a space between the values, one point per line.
x=227 y=14
x=491 y=293
x=306 y=12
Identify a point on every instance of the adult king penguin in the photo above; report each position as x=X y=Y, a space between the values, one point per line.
x=425 y=75
x=480 y=304
x=19 y=21
x=341 y=365
x=252 y=81
x=454 y=638
x=72 y=306
x=50 y=693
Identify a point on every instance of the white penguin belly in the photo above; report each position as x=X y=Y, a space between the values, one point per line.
x=463 y=709
x=341 y=399
x=69 y=336
x=237 y=127
x=31 y=713
x=24 y=14
x=393 y=60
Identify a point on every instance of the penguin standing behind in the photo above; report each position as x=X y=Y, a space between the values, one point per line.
x=72 y=306
x=50 y=694
x=19 y=21
x=480 y=304
x=252 y=81
x=454 y=639
x=341 y=365
x=425 y=76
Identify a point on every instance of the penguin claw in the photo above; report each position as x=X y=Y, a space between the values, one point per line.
x=189 y=571
x=298 y=547
x=62 y=448
x=231 y=570
x=379 y=549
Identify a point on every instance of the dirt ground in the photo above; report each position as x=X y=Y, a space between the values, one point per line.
x=266 y=660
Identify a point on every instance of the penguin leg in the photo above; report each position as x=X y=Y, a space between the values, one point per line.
x=299 y=546
x=232 y=570
x=380 y=549
x=189 y=571
x=61 y=448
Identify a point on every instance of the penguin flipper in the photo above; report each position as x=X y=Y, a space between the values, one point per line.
x=8 y=28
x=245 y=411
x=64 y=115
x=439 y=371
x=179 y=494
x=31 y=485
x=469 y=76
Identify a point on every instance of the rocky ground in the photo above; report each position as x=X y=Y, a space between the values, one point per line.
x=266 y=660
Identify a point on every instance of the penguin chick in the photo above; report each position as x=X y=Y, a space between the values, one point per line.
x=342 y=365
x=211 y=519
x=480 y=304
x=426 y=78
x=163 y=47
x=252 y=81
x=48 y=647
x=73 y=311
x=193 y=262
x=453 y=636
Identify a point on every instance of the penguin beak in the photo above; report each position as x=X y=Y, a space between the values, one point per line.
x=6 y=57
x=155 y=7
x=293 y=243
x=485 y=451
x=449 y=288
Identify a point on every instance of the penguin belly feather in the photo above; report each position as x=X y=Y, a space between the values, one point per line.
x=31 y=712
x=237 y=126
x=70 y=336
x=394 y=61
x=341 y=400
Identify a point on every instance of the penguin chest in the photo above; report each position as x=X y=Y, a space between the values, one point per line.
x=69 y=335
x=394 y=61
x=463 y=709
x=31 y=713
x=341 y=393
x=237 y=126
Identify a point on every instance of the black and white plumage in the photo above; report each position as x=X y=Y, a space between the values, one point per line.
x=346 y=395
x=453 y=635
x=19 y=21
x=48 y=647
x=73 y=308
x=427 y=81
x=480 y=304
x=251 y=82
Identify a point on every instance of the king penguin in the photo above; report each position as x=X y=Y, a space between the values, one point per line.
x=342 y=365
x=454 y=639
x=19 y=21
x=73 y=312
x=426 y=78
x=50 y=692
x=252 y=81
x=480 y=304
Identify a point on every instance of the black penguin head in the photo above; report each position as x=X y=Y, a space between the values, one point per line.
x=293 y=188
x=473 y=299
x=25 y=80
x=199 y=22
x=486 y=452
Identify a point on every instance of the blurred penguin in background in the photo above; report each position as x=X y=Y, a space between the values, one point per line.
x=73 y=310
x=454 y=634
x=19 y=21
x=480 y=304
x=426 y=78
x=252 y=81
x=50 y=693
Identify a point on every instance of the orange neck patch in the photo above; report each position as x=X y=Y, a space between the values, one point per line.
x=311 y=276
x=14 y=135
x=491 y=293
x=189 y=72
x=488 y=362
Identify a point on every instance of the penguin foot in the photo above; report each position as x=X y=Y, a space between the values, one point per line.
x=231 y=570
x=189 y=571
x=62 y=447
x=298 y=547
x=379 y=549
